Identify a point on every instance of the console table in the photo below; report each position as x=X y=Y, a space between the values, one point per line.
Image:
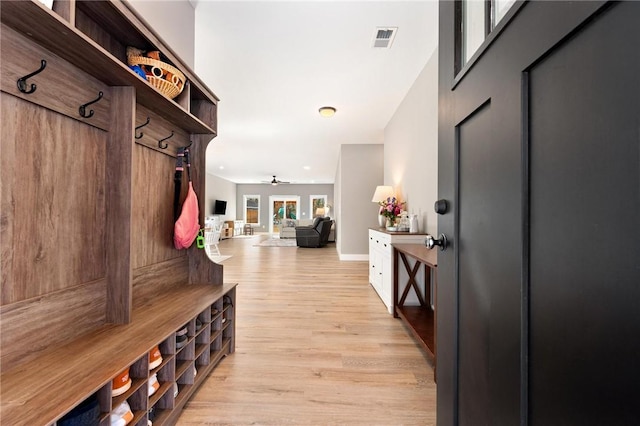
x=421 y=320
x=381 y=269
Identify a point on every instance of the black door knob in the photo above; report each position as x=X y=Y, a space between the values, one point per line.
x=441 y=206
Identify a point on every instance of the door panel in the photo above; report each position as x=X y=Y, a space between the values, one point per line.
x=585 y=211
x=474 y=289
x=539 y=152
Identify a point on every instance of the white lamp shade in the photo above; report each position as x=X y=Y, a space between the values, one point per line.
x=382 y=193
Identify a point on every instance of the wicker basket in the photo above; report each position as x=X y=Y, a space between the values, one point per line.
x=166 y=78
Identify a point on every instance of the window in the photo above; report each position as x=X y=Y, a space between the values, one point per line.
x=473 y=28
x=318 y=204
x=477 y=19
x=501 y=7
x=252 y=209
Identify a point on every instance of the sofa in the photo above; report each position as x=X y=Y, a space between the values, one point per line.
x=316 y=235
x=288 y=228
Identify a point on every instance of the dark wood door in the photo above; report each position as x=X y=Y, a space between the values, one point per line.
x=539 y=160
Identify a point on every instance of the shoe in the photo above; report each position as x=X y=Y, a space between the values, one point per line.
x=153 y=384
x=155 y=358
x=175 y=389
x=181 y=341
x=198 y=324
x=214 y=311
x=195 y=372
x=121 y=383
x=182 y=331
x=122 y=415
x=85 y=413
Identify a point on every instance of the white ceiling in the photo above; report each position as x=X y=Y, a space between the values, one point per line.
x=273 y=64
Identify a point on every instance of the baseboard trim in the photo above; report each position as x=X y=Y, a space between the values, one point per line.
x=353 y=257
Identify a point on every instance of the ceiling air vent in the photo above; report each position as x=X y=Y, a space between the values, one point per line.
x=383 y=37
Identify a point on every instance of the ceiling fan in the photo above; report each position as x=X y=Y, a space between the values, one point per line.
x=274 y=181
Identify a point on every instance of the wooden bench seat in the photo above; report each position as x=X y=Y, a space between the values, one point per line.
x=43 y=389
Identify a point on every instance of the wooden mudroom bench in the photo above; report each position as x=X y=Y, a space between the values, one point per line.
x=43 y=389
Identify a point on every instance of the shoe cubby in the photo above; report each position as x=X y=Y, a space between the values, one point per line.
x=227 y=313
x=185 y=383
x=167 y=350
x=182 y=369
x=165 y=376
x=138 y=403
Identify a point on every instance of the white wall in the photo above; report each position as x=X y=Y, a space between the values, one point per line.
x=220 y=189
x=360 y=171
x=174 y=21
x=411 y=147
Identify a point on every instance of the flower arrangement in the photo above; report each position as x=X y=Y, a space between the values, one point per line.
x=391 y=208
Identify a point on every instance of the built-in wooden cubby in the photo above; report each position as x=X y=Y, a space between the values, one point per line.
x=91 y=281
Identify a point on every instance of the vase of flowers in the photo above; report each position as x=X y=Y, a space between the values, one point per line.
x=390 y=209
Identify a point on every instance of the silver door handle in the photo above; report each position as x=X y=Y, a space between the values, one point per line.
x=431 y=242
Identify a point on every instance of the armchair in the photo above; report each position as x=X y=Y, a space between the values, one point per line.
x=316 y=235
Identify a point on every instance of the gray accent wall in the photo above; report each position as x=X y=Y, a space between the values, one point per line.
x=411 y=147
x=304 y=191
x=360 y=170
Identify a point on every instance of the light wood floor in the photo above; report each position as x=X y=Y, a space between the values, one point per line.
x=314 y=345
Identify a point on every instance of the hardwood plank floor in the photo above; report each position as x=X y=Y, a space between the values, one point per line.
x=314 y=345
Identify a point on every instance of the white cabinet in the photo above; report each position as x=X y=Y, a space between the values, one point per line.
x=381 y=260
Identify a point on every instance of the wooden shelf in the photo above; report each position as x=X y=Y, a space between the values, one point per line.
x=217 y=355
x=161 y=417
x=137 y=416
x=215 y=334
x=135 y=385
x=50 y=31
x=421 y=325
x=184 y=392
x=420 y=320
x=200 y=350
x=164 y=387
x=119 y=17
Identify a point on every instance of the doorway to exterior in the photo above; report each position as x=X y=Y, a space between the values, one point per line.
x=282 y=207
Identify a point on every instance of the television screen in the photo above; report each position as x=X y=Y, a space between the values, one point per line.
x=219 y=207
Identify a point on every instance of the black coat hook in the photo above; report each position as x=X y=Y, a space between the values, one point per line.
x=166 y=145
x=83 y=107
x=22 y=81
x=140 y=127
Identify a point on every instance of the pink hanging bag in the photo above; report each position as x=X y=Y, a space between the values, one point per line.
x=187 y=227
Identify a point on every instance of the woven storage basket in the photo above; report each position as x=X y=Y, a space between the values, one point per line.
x=166 y=78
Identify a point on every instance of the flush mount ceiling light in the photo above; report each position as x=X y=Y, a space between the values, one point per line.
x=327 y=111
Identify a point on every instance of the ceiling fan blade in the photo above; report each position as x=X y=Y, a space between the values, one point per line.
x=274 y=181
